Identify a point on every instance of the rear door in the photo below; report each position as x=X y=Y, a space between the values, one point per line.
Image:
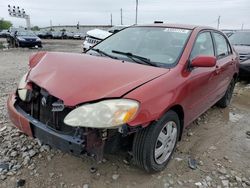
x=224 y=69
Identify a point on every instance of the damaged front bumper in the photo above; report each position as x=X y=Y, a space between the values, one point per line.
x=83 y=140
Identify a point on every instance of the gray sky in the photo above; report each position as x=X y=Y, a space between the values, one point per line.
x=202 y=12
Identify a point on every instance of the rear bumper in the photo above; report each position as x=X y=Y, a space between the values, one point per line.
x=46 y=135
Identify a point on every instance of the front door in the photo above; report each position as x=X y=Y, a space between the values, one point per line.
x=199 y=84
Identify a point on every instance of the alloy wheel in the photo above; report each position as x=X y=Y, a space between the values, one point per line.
x=165 y=142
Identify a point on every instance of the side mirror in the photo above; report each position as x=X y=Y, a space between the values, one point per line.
x=203 y=61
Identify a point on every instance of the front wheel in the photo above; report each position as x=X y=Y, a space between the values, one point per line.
x=153 y=146
x=226 y=99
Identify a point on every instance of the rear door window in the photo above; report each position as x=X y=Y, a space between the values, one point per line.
x=222 y=46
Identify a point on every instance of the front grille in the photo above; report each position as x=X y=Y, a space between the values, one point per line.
x=244 y=57
x=92 y=40
x=41 y=108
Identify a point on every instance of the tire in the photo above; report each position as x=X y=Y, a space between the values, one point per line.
x=146 y=143
x=17 y=44
x=226 y=99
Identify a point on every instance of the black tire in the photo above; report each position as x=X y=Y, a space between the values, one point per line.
x=145 y=141
x=226 y=99
x=17 y=44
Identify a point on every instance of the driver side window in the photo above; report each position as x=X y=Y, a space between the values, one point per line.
x=203 y=45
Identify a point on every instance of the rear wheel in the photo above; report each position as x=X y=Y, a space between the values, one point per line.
x=153 y=146
x=226 y=99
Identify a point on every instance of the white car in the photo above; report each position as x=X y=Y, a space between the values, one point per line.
x=97 y=35
x=93 y=37
x=78 y=36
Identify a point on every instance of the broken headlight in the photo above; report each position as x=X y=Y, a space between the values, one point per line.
x=22 y=90
x=104 y=114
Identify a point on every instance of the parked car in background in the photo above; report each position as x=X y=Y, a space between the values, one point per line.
x=117 y=28
x=44 y=34
x=57 y=34
x=69 y=35
x=141 y=87
x=97 y=35
x=48 y=35
x=4 y=33
x=241 y=42
x=78 y=36
x=24 y=38
x=93 y=37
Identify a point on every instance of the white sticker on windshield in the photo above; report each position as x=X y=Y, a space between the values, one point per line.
x=176 y=30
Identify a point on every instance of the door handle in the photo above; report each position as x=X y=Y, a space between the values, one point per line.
x=217 y=69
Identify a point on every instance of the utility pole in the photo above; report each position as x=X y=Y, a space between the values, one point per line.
x=50 y=25
x=111 y=19
x=121 y=16
x=242 y=26
x=218 y=23
x=136 y=11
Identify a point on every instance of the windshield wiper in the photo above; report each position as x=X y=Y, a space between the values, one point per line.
x=103 y=53
x=242 y=44
x=132 y=56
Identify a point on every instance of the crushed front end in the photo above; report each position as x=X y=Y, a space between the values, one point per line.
x=42 y=116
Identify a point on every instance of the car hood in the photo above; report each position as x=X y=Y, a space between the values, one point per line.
x=79 y=78
x=98 y=33
x=242 y=49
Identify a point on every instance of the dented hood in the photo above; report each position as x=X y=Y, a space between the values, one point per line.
x=79 y=78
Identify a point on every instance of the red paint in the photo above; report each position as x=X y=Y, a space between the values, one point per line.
x=204 y=61
x=17 y=119
x=35 y=58
x=78 y=79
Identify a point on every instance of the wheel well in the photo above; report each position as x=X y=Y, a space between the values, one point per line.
x=179 y=110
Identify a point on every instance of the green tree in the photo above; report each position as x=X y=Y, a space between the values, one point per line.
x=4 y=24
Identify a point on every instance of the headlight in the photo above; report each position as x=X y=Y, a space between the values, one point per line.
x=21 y=38
x=22 y=91
x=38 y=39
x=104 y=114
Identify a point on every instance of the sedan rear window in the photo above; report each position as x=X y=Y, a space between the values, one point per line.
x=160 y=45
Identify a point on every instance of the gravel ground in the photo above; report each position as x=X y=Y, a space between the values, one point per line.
x=217 y=141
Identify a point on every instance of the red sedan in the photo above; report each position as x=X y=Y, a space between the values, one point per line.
x=138 y=88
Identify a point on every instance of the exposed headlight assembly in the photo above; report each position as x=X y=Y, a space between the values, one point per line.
x=22 y=90
x=104 y=114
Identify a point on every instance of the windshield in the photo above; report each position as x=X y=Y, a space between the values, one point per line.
x=240 y=38
x=26 y=33
x=160 y=45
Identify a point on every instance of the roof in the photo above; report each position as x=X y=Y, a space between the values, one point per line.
x=183 y=26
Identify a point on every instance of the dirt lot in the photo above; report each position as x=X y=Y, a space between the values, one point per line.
x=217 y=140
